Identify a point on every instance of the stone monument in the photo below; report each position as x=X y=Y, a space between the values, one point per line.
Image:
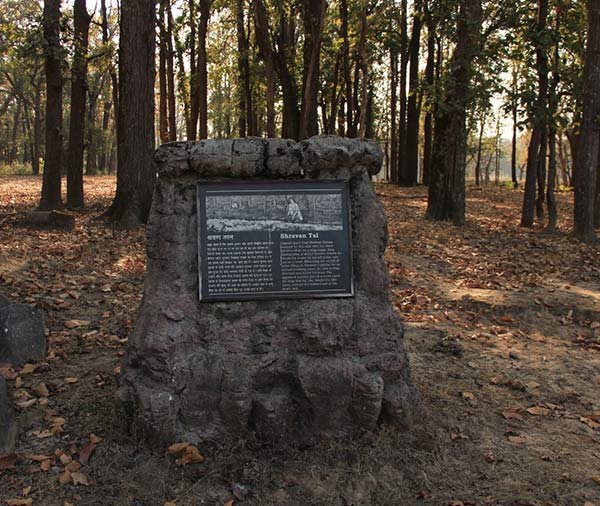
x=291 y=370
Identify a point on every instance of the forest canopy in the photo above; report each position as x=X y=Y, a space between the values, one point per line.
x=475 y=90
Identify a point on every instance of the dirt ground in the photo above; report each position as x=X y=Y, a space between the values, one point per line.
x=503 y=328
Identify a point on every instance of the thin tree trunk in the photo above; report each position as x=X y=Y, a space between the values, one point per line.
x=246 y=123
x=263 y=39
x=314 y=17
x=51 y=193
x=192 y=127
x=479 y=150
x=412 y=109
x=362 y=70
x=163 y=119
x=541 y=176
x=171 y=102
x=349 y=98
x=538 y=136
x=552 y=134
x=393 y=165
x=401 y=171
x=289 y=88
x=37 y=131
x=586 y=168
x=79 y=88
x=333 y=100
x=515 y=118
x=430 y=81
x=203 y=70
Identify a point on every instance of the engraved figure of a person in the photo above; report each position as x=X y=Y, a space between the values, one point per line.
x=293 y=211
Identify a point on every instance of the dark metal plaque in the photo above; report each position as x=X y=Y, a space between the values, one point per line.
x=274 y=240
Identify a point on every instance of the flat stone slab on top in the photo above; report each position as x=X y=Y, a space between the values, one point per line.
x=292 y=371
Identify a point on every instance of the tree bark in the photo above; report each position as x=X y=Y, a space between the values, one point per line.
x=412 y=109
x=479 y=150
x=246 y=123
x=361 y=75
x=586 y=166
x=447 y=189
x=263 y=39
x=79 y=88
x=135 y=146
x=163 y=119
x=51 y=185
x=285 y=49
x=313 y=13
x=349 y=97
x=171 y=102
x=203 y=70
x=400 y=171
x=430 y=81
x=393 y=165
x=538 y=136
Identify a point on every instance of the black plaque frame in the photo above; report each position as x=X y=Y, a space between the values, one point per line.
x=340 y=237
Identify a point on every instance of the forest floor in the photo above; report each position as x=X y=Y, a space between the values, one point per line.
x=502 y=326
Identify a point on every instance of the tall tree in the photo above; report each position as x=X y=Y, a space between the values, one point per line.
x=446 y=199
x=536 y=153
x=202 y=69
x=586 y=166
x=263 y=40
x=79 y=88
x=246 y=116
x=313 y=13
x=135 y=176
x=51 y=193
x=411 y=169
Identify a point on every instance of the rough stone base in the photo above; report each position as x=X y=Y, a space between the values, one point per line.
x=22 y=337
x=292 y=371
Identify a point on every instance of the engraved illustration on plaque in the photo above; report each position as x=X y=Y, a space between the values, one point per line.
x=272 y=240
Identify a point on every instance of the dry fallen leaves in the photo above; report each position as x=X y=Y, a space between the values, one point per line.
x=511 y=415
x=538 y=411
x=519 y=440
x=73 y=324
x=19 y=502
x=186 y=453
x=80 y=479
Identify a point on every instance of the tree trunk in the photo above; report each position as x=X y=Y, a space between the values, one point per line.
x=401 y=171
x=541 y=176
x=163 y=119
x=333 y=100
x=37 y=131
x=479 y=150
x=412 y=109
x=202 y=70
x=313 y=13
x=79 y=88
x=587 y=158
x=192 y=127
x=263 y=39
x=172 y=105
x=515 y=117
x=135 y=146
x=538 y=137
x=552 y=134
x=289 y=88
x=51 y=193
x=246 y=123
x=447 y=189
x=349 y=98
x=362 y=72
x=393 y=165
x=430 y=81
